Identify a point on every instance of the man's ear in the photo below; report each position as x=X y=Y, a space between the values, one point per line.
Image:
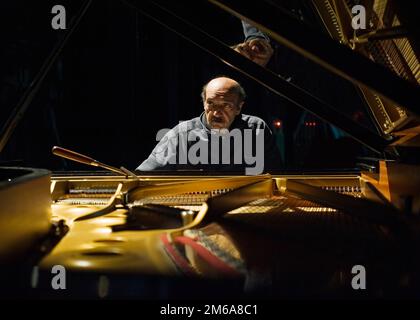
x=238 y=110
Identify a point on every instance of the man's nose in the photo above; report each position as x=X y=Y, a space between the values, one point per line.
x=217 y=112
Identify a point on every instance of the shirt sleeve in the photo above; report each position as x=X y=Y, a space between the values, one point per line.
x=251 y=32
x=163 y=155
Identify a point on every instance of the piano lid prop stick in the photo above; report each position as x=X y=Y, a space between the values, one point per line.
x=68 y=154
x=128 y=172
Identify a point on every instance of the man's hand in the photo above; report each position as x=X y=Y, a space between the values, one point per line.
x=257 y=50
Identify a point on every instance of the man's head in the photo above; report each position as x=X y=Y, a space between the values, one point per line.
x=223 y=99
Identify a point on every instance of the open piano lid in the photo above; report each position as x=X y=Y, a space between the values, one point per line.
x=392 y=98
x=389 y=41
x=386 y=41
x=385 y=68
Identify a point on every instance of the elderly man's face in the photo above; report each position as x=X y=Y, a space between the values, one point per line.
x=221 y=104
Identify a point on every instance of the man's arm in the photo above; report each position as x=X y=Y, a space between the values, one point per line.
x=256 y=46
x=163 y=155
x=251 y=32
x=149 y=164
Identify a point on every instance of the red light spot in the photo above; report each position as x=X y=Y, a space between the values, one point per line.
x=277 y=123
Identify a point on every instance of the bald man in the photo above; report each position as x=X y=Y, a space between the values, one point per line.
x=222 y=138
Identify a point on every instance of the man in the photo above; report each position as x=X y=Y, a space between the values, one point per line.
x=221 y=138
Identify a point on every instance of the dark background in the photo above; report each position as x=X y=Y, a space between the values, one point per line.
x=122 y=77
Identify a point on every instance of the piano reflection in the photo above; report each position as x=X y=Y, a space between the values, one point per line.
x=322 y=234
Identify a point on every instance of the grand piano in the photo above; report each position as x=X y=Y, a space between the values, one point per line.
x=115 y=234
